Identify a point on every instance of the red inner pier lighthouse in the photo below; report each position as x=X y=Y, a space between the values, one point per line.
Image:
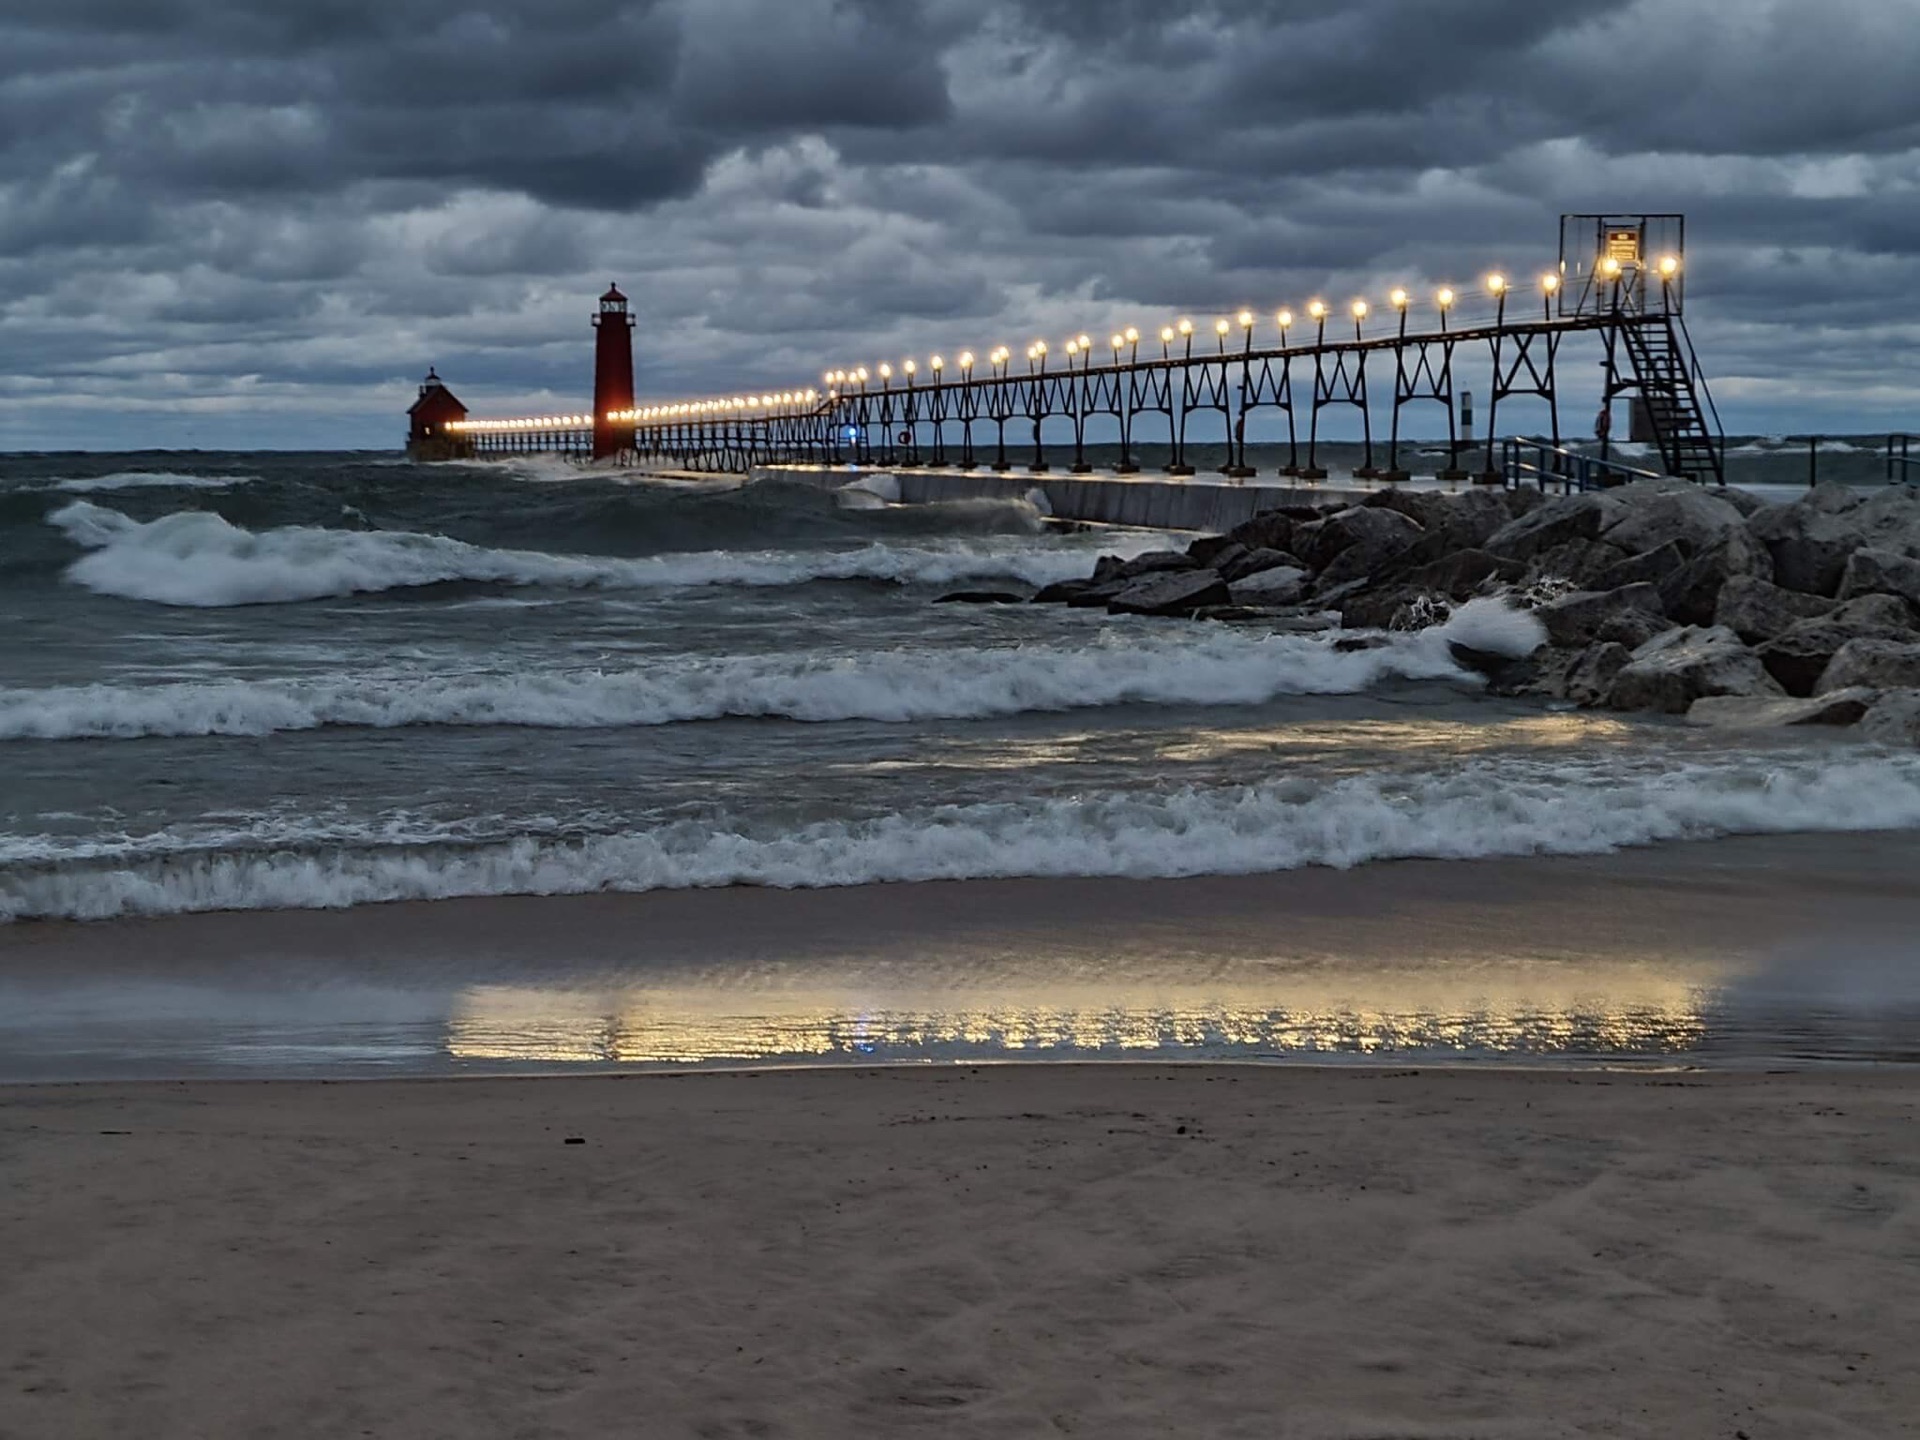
x=612 y=375
x=433 y=422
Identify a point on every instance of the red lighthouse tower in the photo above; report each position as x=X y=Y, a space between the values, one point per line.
x=612 y=375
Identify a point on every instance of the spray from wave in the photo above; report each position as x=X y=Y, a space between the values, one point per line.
x=1123 y=666
x=1564 y=807
x=196 y=558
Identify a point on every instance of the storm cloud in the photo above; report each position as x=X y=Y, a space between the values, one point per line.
x=226 y=222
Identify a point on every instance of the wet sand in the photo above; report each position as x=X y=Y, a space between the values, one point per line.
x=1735 y=951
x=1111 y=1251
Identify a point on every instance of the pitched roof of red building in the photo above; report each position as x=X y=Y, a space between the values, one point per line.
x=434 y=389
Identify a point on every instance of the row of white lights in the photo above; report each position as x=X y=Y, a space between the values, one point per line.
x=1399 y=298
x=685 y=409
x=736 y=405
x=1318 y=310
x=532 y=422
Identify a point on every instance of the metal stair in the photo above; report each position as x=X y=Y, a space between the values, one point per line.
x=1685 y=423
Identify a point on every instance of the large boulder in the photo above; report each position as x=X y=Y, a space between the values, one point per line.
x=1890 y=516
x=1153 y=562
x=1591 y=677
x=1505 y=674
x=1423 y=507
x=1358 y=562
x=1061 y=591
x=1741 y=712
x=1475 y=516
x=1745 y=501
x=1691 y=594
x=1465 y=519
x=1576 y=619
x=1880 y=664
x=1269 y=530
x=1280 y=585
x=1463 y=573
x=1873 y=571
x=1812 y=539
x=1800 y=654
x=1171 y=592
x=1673 y=670
x=1580 y=563
x=1658 y=512
x=1651 y=566
x=1094 y=594
x=1377 y=534
x=1574 y=517
x=1632 y=627
x=1430 y=546
x=1215 y=552
x=1894 y=718
x=1542 y=673
x=1252 y=562
x=1380 y=607
x=981 y=597
x=1758 y=610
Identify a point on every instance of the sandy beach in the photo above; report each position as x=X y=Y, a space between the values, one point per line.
x=1094 y=1250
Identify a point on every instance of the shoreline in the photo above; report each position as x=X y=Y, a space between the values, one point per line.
x=1731 y=952
x=1377 y=1068
x=1121 y=1250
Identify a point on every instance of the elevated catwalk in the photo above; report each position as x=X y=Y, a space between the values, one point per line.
x=1619 y=284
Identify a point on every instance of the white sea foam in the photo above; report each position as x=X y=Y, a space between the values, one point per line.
x=540 y=469
x=1491 y=625
x=200 y=559
x=1517 y=807
x=1125 y=665
x=869 y=491
x=151 y=480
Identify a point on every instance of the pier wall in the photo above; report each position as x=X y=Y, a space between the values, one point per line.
x=1149 y=502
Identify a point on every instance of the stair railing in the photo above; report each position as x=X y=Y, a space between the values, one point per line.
x=1710 y=415
x=1542 y=464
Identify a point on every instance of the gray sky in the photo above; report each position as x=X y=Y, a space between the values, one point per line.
x=255 y=222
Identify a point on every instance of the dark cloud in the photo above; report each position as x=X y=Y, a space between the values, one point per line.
x=236 y=209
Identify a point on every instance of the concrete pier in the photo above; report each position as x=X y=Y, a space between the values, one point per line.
x=1212 y=503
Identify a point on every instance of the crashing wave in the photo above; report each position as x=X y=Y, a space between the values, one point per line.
x=150 y=480
x=1130 y=666
x=197 y=558
x=1513 y=807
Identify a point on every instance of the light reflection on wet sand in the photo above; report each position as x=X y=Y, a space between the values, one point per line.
x=1736 y=951
x=1627 y=1012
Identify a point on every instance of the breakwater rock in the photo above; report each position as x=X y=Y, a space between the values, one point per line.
x=1661 y=595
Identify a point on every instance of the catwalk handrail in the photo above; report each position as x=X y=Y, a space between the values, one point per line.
x=1901 y=459
x=1511 y=328
x=1570 y=469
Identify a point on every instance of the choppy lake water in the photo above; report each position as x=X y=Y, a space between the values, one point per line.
x=302 y=682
